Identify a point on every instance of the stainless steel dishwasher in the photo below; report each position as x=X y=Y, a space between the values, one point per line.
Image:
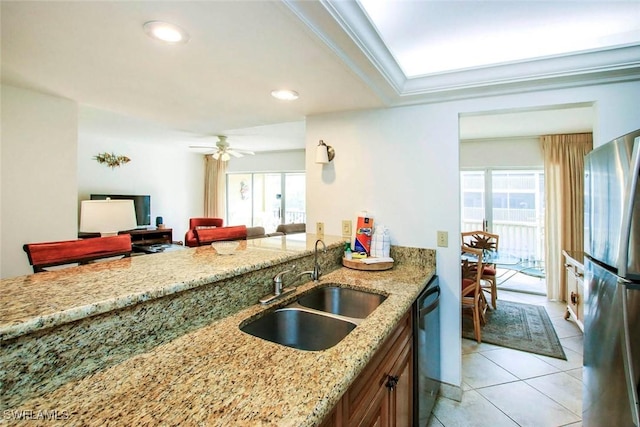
x=426 y=344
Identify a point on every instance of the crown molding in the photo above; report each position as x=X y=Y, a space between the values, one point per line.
x=324 y=23
x=622 y=61
x=385 y=77
x=355 y=22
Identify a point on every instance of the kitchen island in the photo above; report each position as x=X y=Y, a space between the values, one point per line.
x=155 y=339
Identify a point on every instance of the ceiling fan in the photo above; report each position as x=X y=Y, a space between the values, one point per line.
x=222 y=150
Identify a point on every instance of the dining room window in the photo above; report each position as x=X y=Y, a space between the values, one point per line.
x=507 y=202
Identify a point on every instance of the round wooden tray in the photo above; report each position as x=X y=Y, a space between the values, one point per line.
x=357 y=264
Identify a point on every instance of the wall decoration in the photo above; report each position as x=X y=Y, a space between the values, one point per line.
x=111 y=160
x=244 y=190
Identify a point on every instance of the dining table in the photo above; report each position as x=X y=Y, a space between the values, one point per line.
x=512 y=263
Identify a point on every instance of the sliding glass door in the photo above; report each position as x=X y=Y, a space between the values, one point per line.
x=509 y=203
x=266 y=199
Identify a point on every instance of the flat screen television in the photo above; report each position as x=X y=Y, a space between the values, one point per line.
x=142 y=205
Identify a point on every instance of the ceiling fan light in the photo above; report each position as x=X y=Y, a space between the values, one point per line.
x=225 y=157
x=216 y=155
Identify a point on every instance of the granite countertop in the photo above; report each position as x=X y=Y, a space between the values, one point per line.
x=216 y=375
x=221 y=376
x=39 y=301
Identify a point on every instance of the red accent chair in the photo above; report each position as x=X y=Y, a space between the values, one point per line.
x=195 y=223
x=82 y=251
x=205 y=236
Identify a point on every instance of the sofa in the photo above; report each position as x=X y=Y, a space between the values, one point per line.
x=292 y=228
x=205 y=236
x=203 y=231
x=256 y=233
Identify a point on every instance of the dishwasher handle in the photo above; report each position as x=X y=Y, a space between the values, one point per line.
x=423 y=311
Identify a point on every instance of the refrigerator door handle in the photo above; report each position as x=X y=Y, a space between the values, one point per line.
x=627 y=356
x=627 y=210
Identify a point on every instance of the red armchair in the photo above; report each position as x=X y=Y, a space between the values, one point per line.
x=195 y=223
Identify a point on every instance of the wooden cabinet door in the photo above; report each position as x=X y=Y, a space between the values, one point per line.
x=334 y=419
x=383 y=393
x=377 y=414
x=401 y=397
x=365 y=389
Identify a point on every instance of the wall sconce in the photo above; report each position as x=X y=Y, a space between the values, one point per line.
x=324 y=153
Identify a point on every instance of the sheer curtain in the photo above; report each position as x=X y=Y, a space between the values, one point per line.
x=214 y=187
x=564 y=198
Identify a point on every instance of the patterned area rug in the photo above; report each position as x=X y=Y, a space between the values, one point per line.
x=519 y=326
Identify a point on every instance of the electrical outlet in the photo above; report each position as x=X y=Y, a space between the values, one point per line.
x=320 y=229
x=346 y=228
x=443 y=239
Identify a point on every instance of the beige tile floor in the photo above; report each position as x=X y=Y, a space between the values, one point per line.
x=505 y=387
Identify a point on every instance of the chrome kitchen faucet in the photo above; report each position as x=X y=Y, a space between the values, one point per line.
x=316 y=273
x=278 y=289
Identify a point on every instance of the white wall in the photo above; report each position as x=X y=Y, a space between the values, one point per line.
x=275 y=161
x=39 y=173
x=402 y=164
x=171 y=175
x=502 y=153
x=48 y=167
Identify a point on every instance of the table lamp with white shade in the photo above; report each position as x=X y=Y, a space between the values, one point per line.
x=107 y=217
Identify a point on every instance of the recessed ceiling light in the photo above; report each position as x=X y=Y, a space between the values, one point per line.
x=165 y=32
x=285 y=94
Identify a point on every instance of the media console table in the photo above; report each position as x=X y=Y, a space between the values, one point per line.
x=146 y=241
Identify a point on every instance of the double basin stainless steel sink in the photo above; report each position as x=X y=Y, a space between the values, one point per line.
x=318 y=320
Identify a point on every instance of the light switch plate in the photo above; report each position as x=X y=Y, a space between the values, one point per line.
x=443 y=239
x=320 y=229
x=346 y=228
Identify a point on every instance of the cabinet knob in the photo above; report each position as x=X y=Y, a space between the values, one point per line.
x=392 y=381
x=574 y=298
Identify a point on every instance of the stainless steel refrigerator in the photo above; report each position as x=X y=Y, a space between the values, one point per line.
x=611 y=371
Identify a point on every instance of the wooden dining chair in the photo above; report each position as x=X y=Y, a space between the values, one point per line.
x=487 y=242
x=472 y=295
x=81 y=251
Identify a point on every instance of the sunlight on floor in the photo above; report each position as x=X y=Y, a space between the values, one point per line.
x=505 y=387
x=519 y=282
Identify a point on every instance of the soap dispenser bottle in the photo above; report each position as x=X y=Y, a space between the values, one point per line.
x=347 y=251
